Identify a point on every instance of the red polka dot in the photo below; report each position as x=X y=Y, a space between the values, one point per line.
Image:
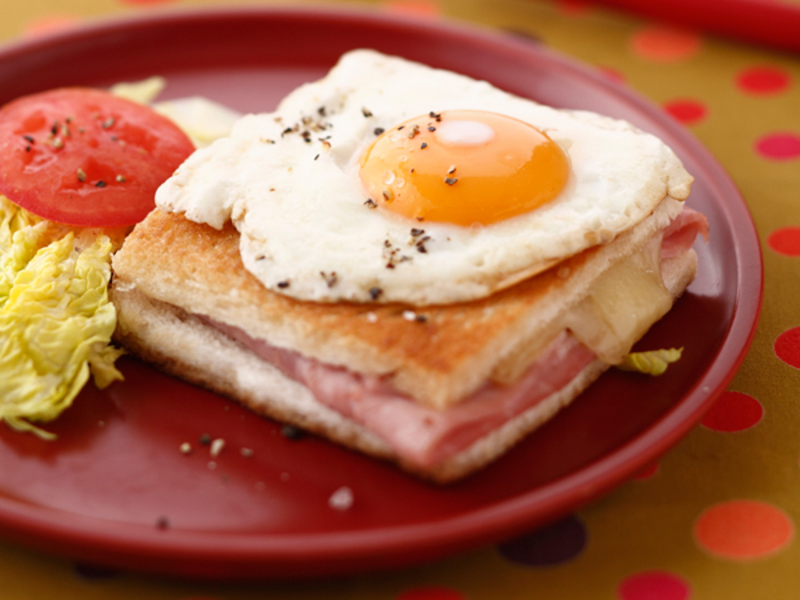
x=612 y=74
x=787 y=347
x=647 y=472
x=574 y=8
x=785 y=240
x=743 y=530
x=733 y=411
x=763 y=80
x=779 y=146
x=431 y=593
x=664 y=44
x=687 y=111
x=653 y=585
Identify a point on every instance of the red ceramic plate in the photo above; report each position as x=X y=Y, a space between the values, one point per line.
x=115 y=474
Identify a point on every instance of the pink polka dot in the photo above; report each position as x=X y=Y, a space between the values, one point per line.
x=733 y=411
x=653 y=585
x=49 y=24
x=687 y=111
x=743 y=530
x=431 y=593
x=763 y=81
x=787 y=347
x=785 y=240
x=144 y=2
x=665 y=45
x=779 y=146
x=647 y=472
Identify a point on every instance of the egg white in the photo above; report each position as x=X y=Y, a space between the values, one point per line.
x=289 y=182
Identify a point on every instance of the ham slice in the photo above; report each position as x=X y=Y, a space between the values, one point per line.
x=424 y=436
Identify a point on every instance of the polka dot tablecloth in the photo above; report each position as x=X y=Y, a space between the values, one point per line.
x=716 y=517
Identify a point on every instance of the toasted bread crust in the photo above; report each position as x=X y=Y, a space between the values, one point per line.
x=438 y=358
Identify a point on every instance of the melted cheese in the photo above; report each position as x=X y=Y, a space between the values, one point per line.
x=619 y=308
x=622 y=305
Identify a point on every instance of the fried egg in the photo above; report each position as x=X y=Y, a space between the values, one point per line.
x=390 y=181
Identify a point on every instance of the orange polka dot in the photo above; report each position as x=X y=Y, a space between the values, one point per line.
x=665 y=45
x=426 y=8
x=785 y=240
x=49 y=24
x=743 y=530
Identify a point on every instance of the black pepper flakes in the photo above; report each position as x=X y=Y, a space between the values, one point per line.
x=283 y=284
x=370 y=203
x=424 y=145
x=29 y=138
x=450 y=180
x=417 y=232
x=291 y=432
x=100 y=184
x=162 y=523
x=330 y=278
x=316 y=157
x=366 y=112
x=375 y=293
x=108 y=123
x=378 y=130
x=431 y=128
x=205 y=439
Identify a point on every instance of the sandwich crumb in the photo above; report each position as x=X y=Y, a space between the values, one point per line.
x=372 y=317
x=216 y=447
x=409 y=315
x=341 y=499
x=212 y=465
x=247 y=452
x=186 y=448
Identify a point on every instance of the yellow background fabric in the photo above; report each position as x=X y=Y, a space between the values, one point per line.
x=717 y=517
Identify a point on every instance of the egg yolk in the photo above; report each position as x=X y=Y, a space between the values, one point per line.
x=463 y=167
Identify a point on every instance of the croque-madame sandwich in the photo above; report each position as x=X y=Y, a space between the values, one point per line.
x=409 y=262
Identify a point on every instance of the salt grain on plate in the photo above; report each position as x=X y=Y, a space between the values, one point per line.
x=341 y=499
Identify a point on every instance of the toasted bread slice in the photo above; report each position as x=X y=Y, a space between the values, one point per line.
x=184 y=345
x=437 y=355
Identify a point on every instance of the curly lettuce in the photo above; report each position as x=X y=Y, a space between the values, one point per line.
x=56 y=320
x=653 y=362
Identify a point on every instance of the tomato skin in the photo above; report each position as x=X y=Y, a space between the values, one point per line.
x=85 y=157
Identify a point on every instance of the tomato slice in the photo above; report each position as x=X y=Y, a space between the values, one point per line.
x=85 y=157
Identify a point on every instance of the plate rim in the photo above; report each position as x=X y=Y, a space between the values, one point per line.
x=486 y=524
